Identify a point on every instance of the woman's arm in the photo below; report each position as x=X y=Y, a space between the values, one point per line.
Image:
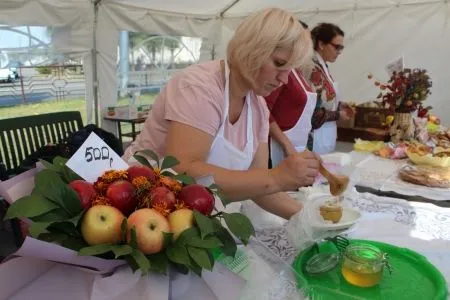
x=280 y=204
x=278 y=135
x=191 y=147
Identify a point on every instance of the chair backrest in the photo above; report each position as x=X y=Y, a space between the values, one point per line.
x=22 y=136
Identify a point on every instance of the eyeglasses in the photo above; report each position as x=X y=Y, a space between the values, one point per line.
x=338 y=48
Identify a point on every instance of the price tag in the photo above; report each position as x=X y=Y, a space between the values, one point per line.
x=93 y=158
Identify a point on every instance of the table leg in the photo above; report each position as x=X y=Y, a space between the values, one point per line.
x=119 y=129
x=133 y=130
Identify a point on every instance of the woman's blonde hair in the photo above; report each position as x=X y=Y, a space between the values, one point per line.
x=260 y=34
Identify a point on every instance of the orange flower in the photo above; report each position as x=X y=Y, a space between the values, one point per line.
x=162 y=209
x=100 y=200
x=180 y=205
x=101 y=187
x=141 y=182
x=113 y=175
x=145 y=201
x=171 y=184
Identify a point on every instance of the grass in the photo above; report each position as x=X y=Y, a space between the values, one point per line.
x=66 y=105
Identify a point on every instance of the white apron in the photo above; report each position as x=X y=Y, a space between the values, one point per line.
x=223 y=153
x=298 y=134
x=325 y=137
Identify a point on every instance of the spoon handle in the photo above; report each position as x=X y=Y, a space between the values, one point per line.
x=326 y=173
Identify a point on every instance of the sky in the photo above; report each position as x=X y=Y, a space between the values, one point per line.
x=9 y=39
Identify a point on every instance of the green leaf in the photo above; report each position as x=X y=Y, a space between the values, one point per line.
x=187 y=235
x=191 y=236
x=53 y=237
x=132 y=263
x=74 y=243
x=185 y=179
x=215 y=189
x=49 y=165
x=195 y=268
x=121 y=250
x=59 y=161
x=64 y=227
x=210 y=242
x=55 y=215
x=168 y=238
x=201 y=257
x=50 y=184
x=124 y=229
x=30 y=206
x=141 y=260
x=240 y=226
x=142 y=160
x=204 y=223
x=133 y=238
x=168 y=174
x=68 y=175
x=37 y=228
x=169 y=162
x=158 y=262
x=229 y=247
x=151 y=154
x=96 y=250
x=178 y=254
x=183 y=269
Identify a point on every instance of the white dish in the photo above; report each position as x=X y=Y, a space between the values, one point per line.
x=349 y=217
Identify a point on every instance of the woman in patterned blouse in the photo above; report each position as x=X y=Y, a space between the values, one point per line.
x=328 y=45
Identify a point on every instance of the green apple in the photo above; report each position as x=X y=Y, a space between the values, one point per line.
x=150 y=226
x=180 y=220
x=101 y=224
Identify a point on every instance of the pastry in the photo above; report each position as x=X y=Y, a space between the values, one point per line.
x=426 y=175
x=331 y=211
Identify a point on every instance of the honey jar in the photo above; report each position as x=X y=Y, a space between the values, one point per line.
x=363 y=265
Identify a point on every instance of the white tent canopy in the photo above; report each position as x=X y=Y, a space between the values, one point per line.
x=376 y=32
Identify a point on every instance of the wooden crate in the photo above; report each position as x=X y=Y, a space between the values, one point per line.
x=370 y=117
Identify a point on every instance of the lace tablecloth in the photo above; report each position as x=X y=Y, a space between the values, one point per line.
x=421 y=227
x=382 y=174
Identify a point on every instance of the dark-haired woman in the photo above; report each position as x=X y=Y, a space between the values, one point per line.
x=328 y=45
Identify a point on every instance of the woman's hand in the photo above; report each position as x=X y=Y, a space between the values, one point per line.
x=297 y=170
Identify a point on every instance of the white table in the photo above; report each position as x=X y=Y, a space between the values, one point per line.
x=421 y=227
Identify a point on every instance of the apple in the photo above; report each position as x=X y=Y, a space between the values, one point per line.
x=163 y=197
x=101 y=224
x=85 y=191
x=180 y=220
x=121 y=195
x=149 y=225
x=137 y=171
x=196 y=196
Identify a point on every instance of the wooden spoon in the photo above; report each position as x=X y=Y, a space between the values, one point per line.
x=338 y=183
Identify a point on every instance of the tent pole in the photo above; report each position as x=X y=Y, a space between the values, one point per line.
x=228 y=7
x=94 y=62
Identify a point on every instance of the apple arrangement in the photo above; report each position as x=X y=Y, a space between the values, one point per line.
x=147 y=215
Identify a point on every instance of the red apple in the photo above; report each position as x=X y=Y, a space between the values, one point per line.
x=85 y=191
x=149 y=225
x=121 y=195
x=163 y=197
x=196 y=196
x=101 y=224
x=137 y=171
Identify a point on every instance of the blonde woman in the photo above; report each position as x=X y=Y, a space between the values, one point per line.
x=214 y=119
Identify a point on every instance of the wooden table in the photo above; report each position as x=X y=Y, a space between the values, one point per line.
x=133 y=123
x=368 y=134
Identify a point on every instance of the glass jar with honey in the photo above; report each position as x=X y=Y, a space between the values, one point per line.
x=362 y=265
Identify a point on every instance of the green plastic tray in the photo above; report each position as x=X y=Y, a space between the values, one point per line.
x=413 y=277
